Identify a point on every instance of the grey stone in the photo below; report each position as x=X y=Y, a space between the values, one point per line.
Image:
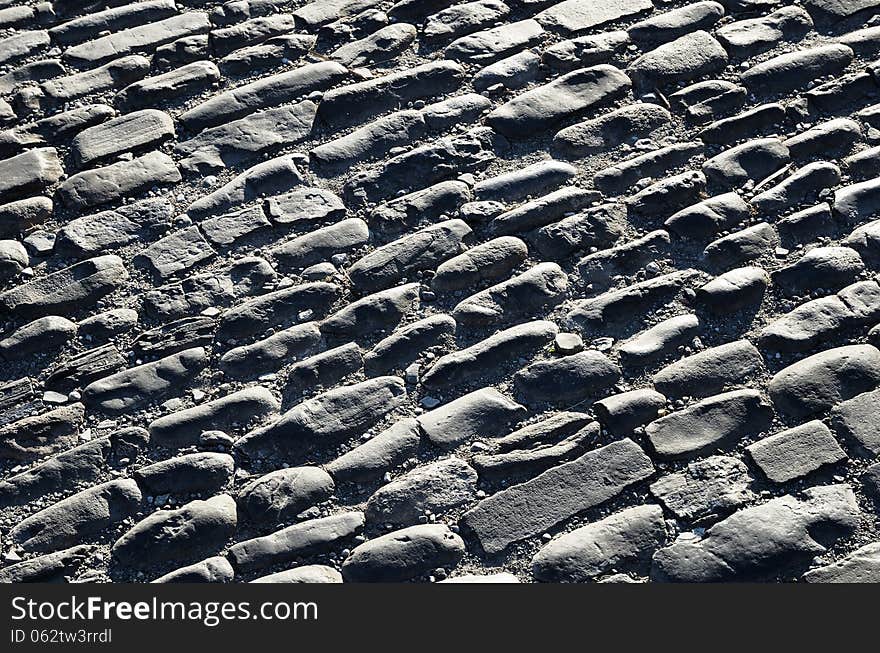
x=82 y=516
x=193 y=531
x=797 y=452
x=711 y=487
x=818 y=382
x=528 y=509
x=433 y=488
x=473 y=361
x=132 y=388
x=568 y=96
x=624 y=540
x=404 y=554
x=334 y=415
x=281 y=495
x=716 y=422
x=476 y=414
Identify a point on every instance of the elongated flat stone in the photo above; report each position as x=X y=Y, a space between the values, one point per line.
x=333 y=415
x=123 y=134
x=104 y=231
x=242 y=140
x=176 y=252
x=184 y=427
x=715 y=422
x=79 y=517
x=41 y=435
x=573 y=16
x=186 y=534
x=30 y=172
x=264 y=93
x=143 y=38
x=171 y=86
x=529 y=509
x=117 y=180
x=68 y=290
x=568 y=96
x=471 y=362
x=422 y=250
x=302 y=539
x=134 y=387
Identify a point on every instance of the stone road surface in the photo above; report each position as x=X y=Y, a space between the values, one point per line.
x=431 y=290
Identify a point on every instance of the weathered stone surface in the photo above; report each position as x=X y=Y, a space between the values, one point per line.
x=493 y=44
x=211 y=570
x=624 y=125
x=135 y=130
x=747 y=38
x=302 y=539
x=854 y=421
x=264 y=93
x=434 y=488
x=762 y=540
x=714 y=486
x=544 y=285
x=134 y=387
x=687 y=57
x=281 y=495
x=796 y=452
x=304 y=574
x=333 y=415
x=710 y=371
x=268 y=178
x=375 y=96
x=860 y=566
x=660 y=340
x=99 y=232
x=193 y=531
x=62 y=472
x=304 y=207
x=237 y=408
x=793 y=71
x=626 y=539
x=378 y=312
x=404 y=554
x=177 y=252
x=49 y=568
x=68 y=290
x=618 y=178
x=30 y=172
x=403 y=346
x=821 y=267
x=378 y=455
x=756 y=159
x=239 y=141
x=623 y=304
x=567 y=379
x=143 y=38
x=523 y=511
x=43 y=334
x=735 y=290
x=479 y=413
x=196 y=472
x=568 y=96
x=428 y=204
x=276 y=308
x=543 y=210
x=398 y=260
x=818 y=382
x=575 y=16
x=117 y=180
x=716 y=422
x=505 y=345
x=82 y=516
